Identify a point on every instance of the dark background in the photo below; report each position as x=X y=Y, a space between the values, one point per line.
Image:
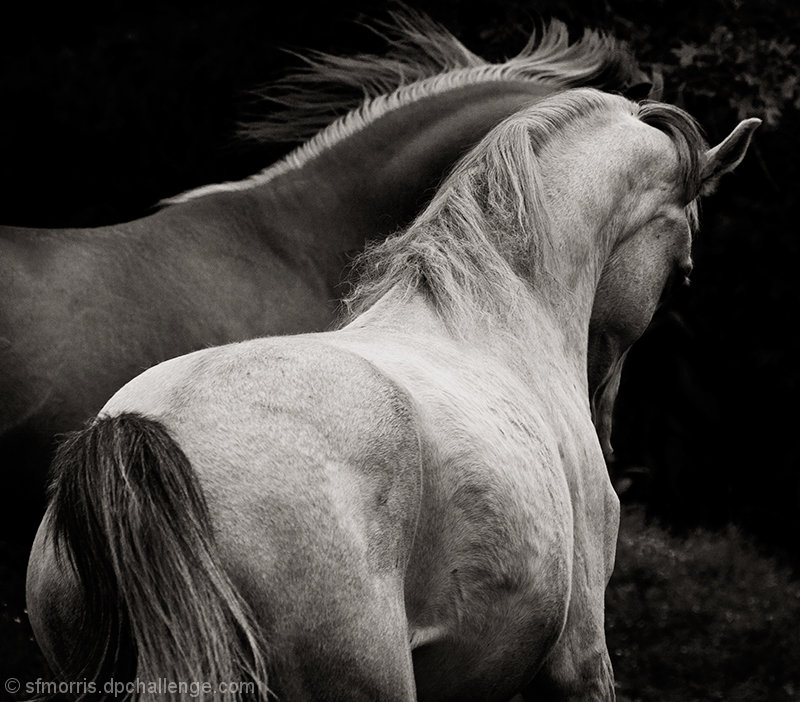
x=104 y=115
x=105 y=109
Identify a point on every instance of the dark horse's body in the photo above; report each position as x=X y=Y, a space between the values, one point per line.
x=83 y=311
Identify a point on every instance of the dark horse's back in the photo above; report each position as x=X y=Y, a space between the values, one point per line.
x=33 y=408
x=82 y=311
x=54 y=293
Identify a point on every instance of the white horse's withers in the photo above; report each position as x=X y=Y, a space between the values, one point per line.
x=415 y=506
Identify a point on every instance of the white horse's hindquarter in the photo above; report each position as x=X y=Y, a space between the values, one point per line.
x=310 y=466
x=317 y=467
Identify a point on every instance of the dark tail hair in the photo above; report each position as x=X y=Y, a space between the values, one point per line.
x=130 y=517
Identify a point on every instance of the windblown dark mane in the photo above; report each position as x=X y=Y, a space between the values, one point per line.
x=331 y=86
x=333 y=97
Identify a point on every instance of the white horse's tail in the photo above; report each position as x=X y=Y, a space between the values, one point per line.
x=161 y=613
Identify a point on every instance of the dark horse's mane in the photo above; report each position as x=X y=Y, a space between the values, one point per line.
x=332 y=97
x=328 y=87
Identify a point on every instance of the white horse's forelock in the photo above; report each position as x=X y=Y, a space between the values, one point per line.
x=427 y=61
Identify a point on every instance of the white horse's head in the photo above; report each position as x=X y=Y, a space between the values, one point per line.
x=652 y=251
x=586 y=201
x=593 y=198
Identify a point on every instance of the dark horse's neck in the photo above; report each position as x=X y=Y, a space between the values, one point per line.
x=373 y=182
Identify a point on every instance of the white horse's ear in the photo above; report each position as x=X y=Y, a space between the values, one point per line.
x=728 y=154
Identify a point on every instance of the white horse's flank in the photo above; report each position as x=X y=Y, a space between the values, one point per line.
x=416 y=506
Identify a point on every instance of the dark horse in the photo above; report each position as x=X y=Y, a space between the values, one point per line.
x=84 y=310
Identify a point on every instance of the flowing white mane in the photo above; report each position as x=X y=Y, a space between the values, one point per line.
x=424 y=59
x=487 y=228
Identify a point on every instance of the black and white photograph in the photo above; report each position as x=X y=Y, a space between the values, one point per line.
x=395 y=351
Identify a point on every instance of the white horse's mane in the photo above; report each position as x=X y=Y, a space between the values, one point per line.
x=424 y=59
x=487 y=228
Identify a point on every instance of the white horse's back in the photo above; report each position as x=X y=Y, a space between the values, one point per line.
x=398 y=515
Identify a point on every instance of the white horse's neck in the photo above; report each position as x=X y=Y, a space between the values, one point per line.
x=600 y=188
x=519 y=274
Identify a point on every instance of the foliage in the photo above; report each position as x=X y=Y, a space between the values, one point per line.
x=739 y=53
x=702 y=618
x=764 y=78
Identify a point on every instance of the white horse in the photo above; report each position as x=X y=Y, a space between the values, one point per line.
x=414 y=506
